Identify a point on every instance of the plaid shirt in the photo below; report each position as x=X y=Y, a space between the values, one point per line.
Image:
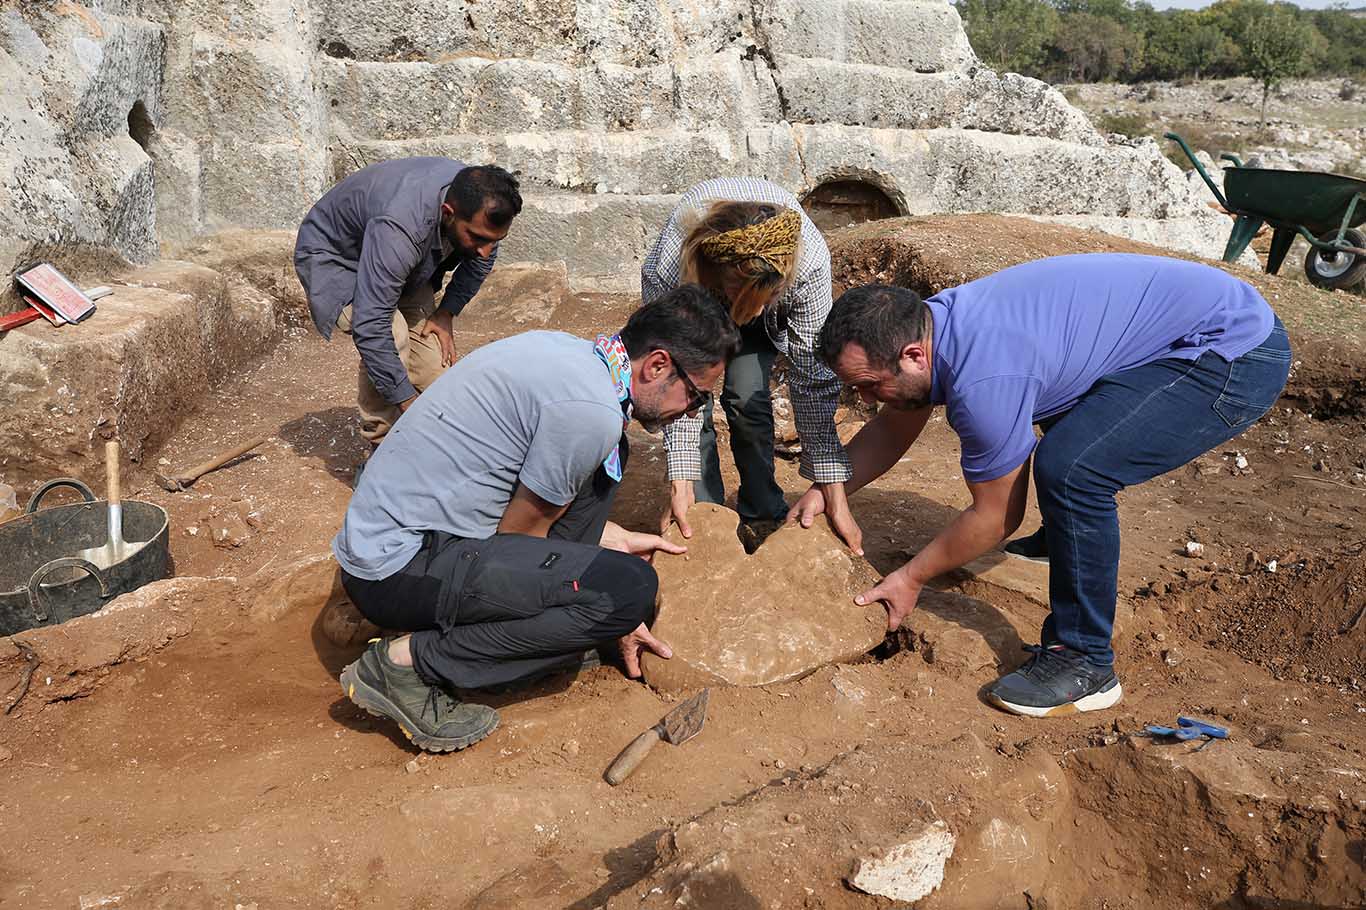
x=792 y=325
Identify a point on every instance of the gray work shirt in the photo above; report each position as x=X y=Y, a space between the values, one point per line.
x=375 y=235
x=538 y=408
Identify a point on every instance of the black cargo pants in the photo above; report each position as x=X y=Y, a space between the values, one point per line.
x=488 y=612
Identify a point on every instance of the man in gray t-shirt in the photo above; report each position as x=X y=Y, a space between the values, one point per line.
x=480 y=526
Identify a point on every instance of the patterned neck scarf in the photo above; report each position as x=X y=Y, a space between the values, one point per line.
x=613 y=355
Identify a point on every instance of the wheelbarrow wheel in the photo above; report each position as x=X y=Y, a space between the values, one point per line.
x=1337 y=270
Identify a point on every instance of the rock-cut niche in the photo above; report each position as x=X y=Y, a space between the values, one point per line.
x=140 y=125
x=839 y=203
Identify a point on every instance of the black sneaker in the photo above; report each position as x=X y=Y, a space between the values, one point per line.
x=427 y=715
x=1034 y=547
x=1056 y=680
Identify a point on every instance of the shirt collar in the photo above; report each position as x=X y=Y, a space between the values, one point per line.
x=939 y=318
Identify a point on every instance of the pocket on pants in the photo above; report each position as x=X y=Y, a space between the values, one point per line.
x=1255 y=382
x=516 y=577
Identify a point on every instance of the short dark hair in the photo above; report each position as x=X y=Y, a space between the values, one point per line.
x=688 y=322
x=880 y=318
x=485 y=188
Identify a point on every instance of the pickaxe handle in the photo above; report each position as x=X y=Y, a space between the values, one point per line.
x=199 y=470
x=14 y=320
x=630 y=758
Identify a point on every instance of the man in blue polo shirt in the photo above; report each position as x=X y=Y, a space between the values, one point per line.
x=1131 y=365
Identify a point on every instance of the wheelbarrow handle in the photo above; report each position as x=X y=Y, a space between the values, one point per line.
x=51 y=485
x=1200 y=168
x=66 y=562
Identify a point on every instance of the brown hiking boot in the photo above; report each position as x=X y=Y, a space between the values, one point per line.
x=427 y=715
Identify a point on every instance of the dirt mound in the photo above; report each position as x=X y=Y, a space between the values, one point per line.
x=1304 y=621
x=1140 y=823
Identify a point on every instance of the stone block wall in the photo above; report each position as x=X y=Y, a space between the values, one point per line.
x=71 y=170
x=606 y=108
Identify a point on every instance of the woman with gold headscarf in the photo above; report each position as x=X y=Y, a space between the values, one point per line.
x=748 y=241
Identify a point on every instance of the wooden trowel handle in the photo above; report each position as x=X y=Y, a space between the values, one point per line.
x=631 y=757
x=111 y=470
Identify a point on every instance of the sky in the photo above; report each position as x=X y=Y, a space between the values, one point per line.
x=1201 y=4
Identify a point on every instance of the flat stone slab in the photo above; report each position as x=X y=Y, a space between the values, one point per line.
x=739 y=620
x=1019 y=575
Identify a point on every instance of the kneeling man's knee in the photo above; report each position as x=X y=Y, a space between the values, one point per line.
x=629 y=581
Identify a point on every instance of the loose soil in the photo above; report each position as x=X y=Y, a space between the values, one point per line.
x=201 y=754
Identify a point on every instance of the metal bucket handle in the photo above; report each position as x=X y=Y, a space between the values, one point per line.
x=66 y=562
x=54 y=484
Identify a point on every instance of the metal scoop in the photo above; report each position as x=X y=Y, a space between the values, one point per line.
x=116 y=549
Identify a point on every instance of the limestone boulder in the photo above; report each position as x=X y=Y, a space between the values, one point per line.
x=261 y=260
x=79 y=85
x=740 y=620
x=169 y=332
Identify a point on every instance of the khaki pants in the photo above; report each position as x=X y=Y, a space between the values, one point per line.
x=421 y=357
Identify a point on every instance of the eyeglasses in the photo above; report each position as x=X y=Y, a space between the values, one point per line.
x=697 y=399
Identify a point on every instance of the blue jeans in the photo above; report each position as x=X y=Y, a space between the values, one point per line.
x=1128 y=428
x=749 y=411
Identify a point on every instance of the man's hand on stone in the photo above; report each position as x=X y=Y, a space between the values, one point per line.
x=829 y=499
x=439 y=324
x=805 y=510
x=898 y=592
x=682 y=497
x=641 y=640
x=840 y=517
x=637 y=543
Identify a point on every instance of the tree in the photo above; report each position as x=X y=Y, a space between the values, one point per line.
x=1275 y=44
x=1011 y=35
x=1096 y=49
x=1344 y=51
x=1205 y=47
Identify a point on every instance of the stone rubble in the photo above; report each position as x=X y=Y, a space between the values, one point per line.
x=911 y=869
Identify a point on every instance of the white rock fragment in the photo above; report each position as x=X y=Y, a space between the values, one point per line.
x=1271 y=566
x=1194 y=549
x=1240 y=462
x=910 y=870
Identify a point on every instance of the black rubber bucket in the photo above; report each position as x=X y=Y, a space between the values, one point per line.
x=43 y=582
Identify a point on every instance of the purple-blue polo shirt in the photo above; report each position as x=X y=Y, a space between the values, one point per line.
x=1028 y=342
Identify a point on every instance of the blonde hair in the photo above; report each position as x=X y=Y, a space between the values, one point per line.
x=755 y=245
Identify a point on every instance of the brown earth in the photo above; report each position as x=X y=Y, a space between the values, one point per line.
x=192 y=749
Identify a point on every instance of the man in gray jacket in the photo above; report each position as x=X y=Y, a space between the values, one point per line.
x=373 y=252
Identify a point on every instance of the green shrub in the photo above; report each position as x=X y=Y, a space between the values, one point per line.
x=1131 y=125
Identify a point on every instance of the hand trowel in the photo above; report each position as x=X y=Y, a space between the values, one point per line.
x=677 y=727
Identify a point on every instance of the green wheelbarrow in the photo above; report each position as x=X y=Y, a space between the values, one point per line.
x=1324 y=209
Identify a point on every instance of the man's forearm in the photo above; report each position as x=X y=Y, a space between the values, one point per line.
x=881 y=443
x=465 y=283
x=968 y=536
x=612 y=534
